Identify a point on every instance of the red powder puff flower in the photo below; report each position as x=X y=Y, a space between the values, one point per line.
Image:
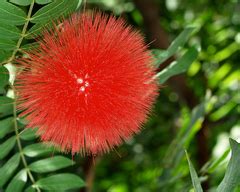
x=89 y=85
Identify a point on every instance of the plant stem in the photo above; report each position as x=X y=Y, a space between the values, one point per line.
x=23 y=34
x=20 y=145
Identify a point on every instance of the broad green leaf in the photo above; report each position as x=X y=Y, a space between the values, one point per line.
x=21 y=2
x=30 y=189
x=4 y=77
x=51 y=11
x=50 y=164
x=37 y=149
x=232 y=176
x=9 y=168
x=28 y=134
x=7 y=146
x=180 y=40
x=195 y=180
x=11 y=14
x=18 y=182
x=7 y=44
x=6 y=106
x=9 y=31
x=64 y=181
x=6 y=126
x=4 y=55
x=178 y=67
x=41 y=2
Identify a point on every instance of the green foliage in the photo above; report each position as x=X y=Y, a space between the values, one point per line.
x=18 y=182
x=179 y=42
x=179 y=66
x=11 y=15
x=21 y=154
x=232 y=176
x=64 y=181
x=50 y=164
x=154 y=159
x=195 y=180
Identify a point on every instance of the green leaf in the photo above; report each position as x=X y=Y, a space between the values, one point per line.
x=36 y=30
x=175 y=151
x=51 y=11
x=41 y=2
x=30 y=46
x=11 y=14
x=218 y=161
x=4 y=77
x=50 y=164
x=6 y=126
x=180 y=41
x=8 y=169
x=178 y=67
x=37 y=149
x=64 y=181
x=232 y=176
x=9 y=31
x=4 y=55
x=7 y=146
x=7 y=44
x=6 y=106
x=30 y=189
x=18 y=182
x=21 y=2
x=195 y=180
x=163 y=55
x=28 y=134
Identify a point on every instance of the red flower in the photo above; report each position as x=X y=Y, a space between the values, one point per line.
x=89 y=84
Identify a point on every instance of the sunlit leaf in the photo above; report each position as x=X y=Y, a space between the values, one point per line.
x=223 y=111
x=50 y=164
x=37 y=149
x=7 y=146
x=226 y=52
x=179 y=66
x=181 y=39
x=8 y=169
x=18 y=182
x=64 y=181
